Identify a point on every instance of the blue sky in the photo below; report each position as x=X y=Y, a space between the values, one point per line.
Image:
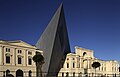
x=92 y=24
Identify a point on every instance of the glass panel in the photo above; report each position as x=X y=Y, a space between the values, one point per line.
x=7 y=59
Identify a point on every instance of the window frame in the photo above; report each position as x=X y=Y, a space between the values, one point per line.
x=29 y=61
x=19 y=60
x=7 y=59
x=67 y=65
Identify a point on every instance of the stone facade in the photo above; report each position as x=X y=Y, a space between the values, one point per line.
x=80 y=63
x=16 y=58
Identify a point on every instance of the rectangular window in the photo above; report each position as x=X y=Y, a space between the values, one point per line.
x=29 y=61
x=19 y=60
x=7 y=59
x=7 y=49
x=67 y=74
x=67 y=65
x=30 y=73
x=73 y=65
x=29 y=52
x=73 y=74
x=19 y=51
x=62 y=74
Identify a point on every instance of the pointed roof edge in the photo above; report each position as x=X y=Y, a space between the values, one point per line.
x=61 y=4
x=57 y=10
x=61 y=7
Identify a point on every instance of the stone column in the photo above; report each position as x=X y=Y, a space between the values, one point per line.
x=15 y=55
x=23 y=56
x=77 y=62
x=26 y=58
x=1 y=55
x=33 y=63
x=82 y=63
x=11 y=59
x=88 y=63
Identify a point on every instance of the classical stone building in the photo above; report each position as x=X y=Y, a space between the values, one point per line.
x=16 y=59
x=80 y=64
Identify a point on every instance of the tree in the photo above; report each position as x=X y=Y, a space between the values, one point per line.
x=39 y=60
x=95 y=65
x=9 y=75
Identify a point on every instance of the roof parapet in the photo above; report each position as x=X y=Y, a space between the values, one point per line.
x=81 y=48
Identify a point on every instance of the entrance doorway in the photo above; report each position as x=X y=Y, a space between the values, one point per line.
x=19 y=73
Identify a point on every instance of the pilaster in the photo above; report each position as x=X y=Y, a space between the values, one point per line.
x=1 y=55
x=15 y=56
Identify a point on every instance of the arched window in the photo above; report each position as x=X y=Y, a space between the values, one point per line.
x=19 y=59
x=30 y=73
x=84 y=53
x=73 y=74
x=80 y=74
x=62 y=74
x=19 y=73
x=7 y=58
x=7 y=72
x=67 y=74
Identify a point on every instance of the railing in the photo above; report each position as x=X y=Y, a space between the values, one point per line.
x=73 y=74
x=60 y=74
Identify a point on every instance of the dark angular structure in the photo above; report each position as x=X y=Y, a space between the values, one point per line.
x=54 y=43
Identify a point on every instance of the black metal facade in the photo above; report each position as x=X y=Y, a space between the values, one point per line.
x=54 y=43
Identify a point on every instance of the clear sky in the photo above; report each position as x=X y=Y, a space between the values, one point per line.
x=92 y=24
